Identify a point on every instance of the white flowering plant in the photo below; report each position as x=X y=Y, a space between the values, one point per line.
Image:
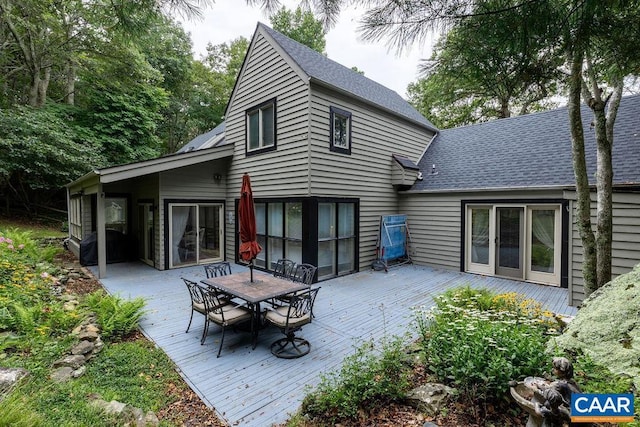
x=478 y=341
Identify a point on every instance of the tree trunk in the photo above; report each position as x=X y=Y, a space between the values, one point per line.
x=43 y=87
x=33 y=89
x=69 y=97
x=504 y=111
x=604 y=139
x=604 y=182
x=583 y=208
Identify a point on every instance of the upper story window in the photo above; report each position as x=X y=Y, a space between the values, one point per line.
x=340 y=131
x=261 y=129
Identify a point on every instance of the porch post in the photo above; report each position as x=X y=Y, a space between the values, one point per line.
x=102 y=236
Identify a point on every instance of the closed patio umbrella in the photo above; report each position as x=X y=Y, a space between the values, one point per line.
x=249 y=247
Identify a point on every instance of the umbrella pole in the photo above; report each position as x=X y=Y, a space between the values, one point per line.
x=251 y=270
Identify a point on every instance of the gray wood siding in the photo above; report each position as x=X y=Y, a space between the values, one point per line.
x=434 y=225
x=435 y=222
x=285 y=171
x=626 y=239
x=367 y=172
x=192 y=183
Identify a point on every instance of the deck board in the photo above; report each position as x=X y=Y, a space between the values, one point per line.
x=252 y=387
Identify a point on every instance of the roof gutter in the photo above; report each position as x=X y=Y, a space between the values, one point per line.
x=563 y=187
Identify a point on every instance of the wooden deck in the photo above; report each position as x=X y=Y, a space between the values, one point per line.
x=254 y=388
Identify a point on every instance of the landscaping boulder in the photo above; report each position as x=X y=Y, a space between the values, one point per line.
x=430 y=398
x=607 y=326
x=9 y=377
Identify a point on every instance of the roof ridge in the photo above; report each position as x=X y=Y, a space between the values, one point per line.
x=529 y=115
x=321 y=68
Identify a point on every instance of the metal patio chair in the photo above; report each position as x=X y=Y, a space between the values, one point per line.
x=223 y=314
x=216 y=269
x=284 y=268
x=197 y=300
x=290 y=318
x=304 y=273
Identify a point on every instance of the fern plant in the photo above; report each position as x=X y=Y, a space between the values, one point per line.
x=117 y=317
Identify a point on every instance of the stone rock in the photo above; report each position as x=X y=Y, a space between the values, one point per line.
x=151 y=419
x=70 y=305
x=607 y=327
x=62 y=374
x=98 y=345
x=92 y=328
x=115 y=407
x=83 y=347
x=88 y=335
x=79 y=372
x=430 y=398
x=9 y=377
x=135 y=416
x=429 y=424
x=72 y=361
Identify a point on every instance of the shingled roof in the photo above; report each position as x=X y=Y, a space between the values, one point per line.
x=213 y=138
x=325 y=71
x=528 y=151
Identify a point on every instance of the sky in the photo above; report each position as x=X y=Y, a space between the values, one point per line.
x=229 y=19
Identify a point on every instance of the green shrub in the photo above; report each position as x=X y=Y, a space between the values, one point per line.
x=477 y=341
x=367 y=377
x=117 y=317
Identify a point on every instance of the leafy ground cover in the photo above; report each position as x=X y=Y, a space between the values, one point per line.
x=34 y=332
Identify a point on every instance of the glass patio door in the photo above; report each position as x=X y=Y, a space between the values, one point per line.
x=544 y=236
x=509 y=241
x=195 y=233
x=145 y=233
x=521 y=242
x=336 y=239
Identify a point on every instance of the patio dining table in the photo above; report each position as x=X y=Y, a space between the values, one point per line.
x=264 y=287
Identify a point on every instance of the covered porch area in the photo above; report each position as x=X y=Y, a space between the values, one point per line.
x=252 y=387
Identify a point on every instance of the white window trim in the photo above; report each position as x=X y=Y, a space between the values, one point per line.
x=552 y=279
x=477 y=267
x=539 y=276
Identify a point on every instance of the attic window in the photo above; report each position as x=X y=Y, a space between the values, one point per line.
x=260 y=122
x=340 y=136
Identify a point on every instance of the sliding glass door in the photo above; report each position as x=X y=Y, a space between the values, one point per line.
x=195 y=233
x=146 y=235
x=521 y=242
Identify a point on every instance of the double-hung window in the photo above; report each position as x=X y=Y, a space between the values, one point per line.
x=261 y=121
x=340 y=138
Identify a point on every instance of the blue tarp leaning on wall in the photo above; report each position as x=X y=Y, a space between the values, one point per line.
x=393 y=240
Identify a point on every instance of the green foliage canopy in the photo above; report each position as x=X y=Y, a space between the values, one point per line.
x=490 y=66
x=42 y=149
x=301 y=26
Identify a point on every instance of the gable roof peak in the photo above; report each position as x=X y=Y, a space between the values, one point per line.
x=328 y=72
